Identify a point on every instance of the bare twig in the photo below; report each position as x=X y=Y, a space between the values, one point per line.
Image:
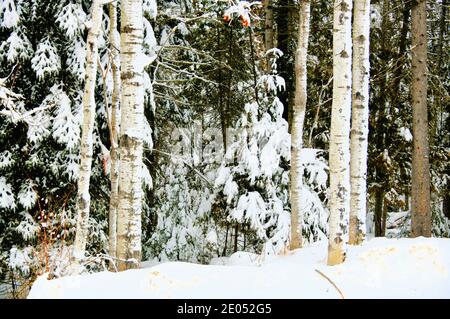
x=331 y=282
x=178 y=158
x=316 y=117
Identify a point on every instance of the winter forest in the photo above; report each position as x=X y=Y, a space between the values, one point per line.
x=224 y=149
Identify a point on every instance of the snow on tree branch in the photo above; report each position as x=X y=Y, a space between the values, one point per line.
x=241 y=9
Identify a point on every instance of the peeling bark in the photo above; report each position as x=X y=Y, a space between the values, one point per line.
x=339 y=133
x=86 y=147
x=360 y=121
x=130 y=141
x=298 y=119
x=115 y=118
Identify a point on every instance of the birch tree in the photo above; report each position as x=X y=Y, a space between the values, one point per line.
x=268 y=24
x=297 y=126
x=114 y=127
x=339 y=157
x=86 y=147
x=131 y=130
x=420 y=193
x=360 y=121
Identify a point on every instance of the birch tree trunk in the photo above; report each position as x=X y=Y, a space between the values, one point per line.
x=420 y=194
x=298 y=119
x=130 y=141
x=339 y=133
x=268 y=25
x=86 y=147
x=115 y=118
x=360 y=121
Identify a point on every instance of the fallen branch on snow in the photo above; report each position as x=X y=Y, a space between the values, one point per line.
x=331 y=282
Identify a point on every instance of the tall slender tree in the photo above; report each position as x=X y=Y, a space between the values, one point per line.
x=297 y=125
x=381 y=115
x=86 y=148
x=339 y=157
x=420 y=193
x=114 y=126
x=268 y=24
x=360 y=121
x=132 y=61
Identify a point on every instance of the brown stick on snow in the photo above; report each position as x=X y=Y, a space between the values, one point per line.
x=331 y=282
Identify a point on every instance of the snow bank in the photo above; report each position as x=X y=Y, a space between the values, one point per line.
x=381 y=268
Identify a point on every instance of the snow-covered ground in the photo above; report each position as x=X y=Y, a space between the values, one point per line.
x=381 y=268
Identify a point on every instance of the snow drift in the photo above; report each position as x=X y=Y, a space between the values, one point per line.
x=380 y=268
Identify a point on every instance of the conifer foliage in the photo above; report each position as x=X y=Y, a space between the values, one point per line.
x=170 y=134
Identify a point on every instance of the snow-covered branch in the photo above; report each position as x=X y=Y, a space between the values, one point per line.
x=13 y=108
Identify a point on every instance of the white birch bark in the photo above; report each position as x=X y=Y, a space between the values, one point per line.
x=268 y=24
x=339 y=133
x=130 y=140
x=360 y=121
x=115 y=118
x=86 y=147
x=298 y=118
